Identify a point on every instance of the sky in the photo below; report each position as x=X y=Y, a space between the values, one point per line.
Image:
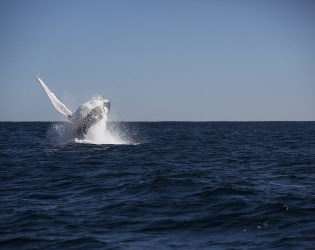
x=160 y=60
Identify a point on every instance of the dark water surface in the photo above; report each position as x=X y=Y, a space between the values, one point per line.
x=212 y=185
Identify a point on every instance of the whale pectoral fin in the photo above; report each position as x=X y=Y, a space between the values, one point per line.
x=94 y=116
x=58 y=105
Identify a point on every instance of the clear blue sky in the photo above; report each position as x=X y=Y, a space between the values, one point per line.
x=160 y=60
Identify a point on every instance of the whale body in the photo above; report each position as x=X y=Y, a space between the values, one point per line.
x=90 y=116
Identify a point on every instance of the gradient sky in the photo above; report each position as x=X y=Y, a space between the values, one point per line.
x=166 y=60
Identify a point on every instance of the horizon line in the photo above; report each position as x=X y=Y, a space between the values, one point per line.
x=181 y=121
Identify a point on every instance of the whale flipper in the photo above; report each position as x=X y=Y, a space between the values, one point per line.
x=59 y=106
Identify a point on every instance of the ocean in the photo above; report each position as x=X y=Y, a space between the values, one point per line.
x=159 y=185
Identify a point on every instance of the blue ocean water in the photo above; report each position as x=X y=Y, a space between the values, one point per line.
x=172 y=185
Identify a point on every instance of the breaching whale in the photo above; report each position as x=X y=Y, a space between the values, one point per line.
x=90 y=115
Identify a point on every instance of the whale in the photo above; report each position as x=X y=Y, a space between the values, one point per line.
x=89 y=117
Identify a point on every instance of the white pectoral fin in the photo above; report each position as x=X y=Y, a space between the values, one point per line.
x=59 y=106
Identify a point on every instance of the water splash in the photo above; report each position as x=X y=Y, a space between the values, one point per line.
x=101 y=133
